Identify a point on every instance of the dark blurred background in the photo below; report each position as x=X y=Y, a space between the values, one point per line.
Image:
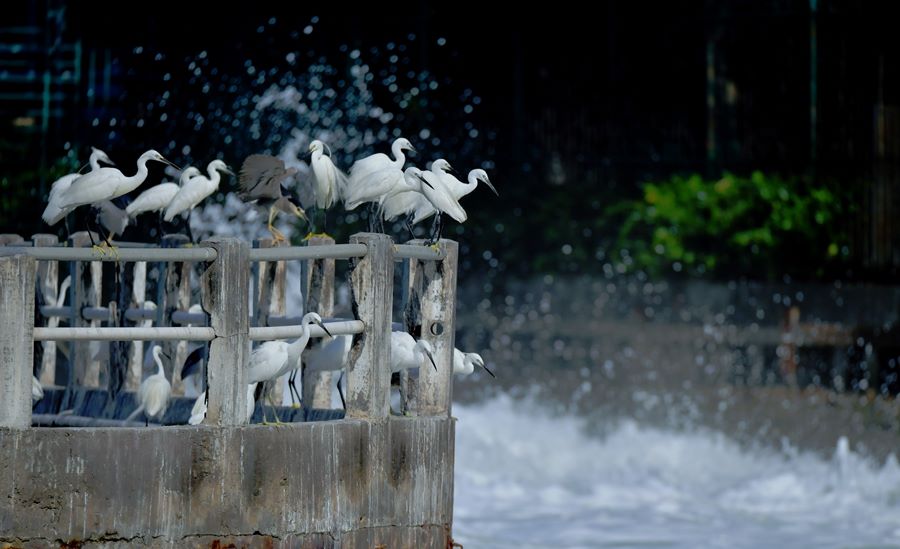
x=575 y=113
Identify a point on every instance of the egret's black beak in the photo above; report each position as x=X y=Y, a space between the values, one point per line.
x=487 y=370
x=491 y=185
x=322 y=325
x=423 y=181
x=431 y=358
x=164 y=161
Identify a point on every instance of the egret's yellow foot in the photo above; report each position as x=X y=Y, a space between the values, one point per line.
x=315 y=235
x=99 y=249
x=295 y=406
x=435 y=246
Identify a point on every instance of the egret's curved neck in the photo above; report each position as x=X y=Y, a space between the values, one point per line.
x=316 y=155
x=400 y=158
x=129 y=184
x=94 y=161
x=473 y=179
x=214 y=177
x=158 y=360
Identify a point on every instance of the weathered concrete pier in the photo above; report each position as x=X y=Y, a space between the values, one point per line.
x=373 y=479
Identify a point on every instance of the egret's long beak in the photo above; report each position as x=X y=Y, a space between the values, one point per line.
x=431 y=358
x=322 y=325
x=450 y=169
x=491 y=185
x=423 y=181
x=487 y=370
x=164 y=161
x=228 y=170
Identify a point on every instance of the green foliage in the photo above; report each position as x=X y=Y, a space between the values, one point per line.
x=753 y=226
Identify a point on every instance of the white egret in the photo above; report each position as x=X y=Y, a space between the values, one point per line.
x=97 y=185
x=464 y=363
x=407 y=353
x=198 y=411
x=440 y=198
x=37 y=392
x=154 y=392
x=261 y=180
x=158 y=198
x=405 y=203
x=273 y=359
x=65 y=181
x=195 y=190
x=372 y=176
x=365 y=167
x=330 y=182
x=53 y=321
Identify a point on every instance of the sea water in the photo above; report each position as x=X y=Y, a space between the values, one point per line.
x=526 y=479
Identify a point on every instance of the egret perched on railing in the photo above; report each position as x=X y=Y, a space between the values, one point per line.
x=405 y=203
x=464 y=363
x=330 y=182
x=154 y=392
x=329 y=356
x=194 y=191
x=371 y=177
x=273 y=359
x=63 y=183
x=261 y=181
x=158 y=198
x=441 y=199
x=97 y=185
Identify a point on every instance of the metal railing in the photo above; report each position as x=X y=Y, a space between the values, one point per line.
x=225 y=295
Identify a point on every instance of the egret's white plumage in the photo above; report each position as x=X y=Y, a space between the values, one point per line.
x=377 y=170
x=154 y=392
x=198 y=411
x=405 y=202
x=407 y=353
x=459 y=189
x=53 y=321
x=196 y=189
x=63 y=183
x=330 y=182
x=159 y=197
x=37 y=392
x=439 y=196
x=464 y=363
x=273 y=359
x=97 y=185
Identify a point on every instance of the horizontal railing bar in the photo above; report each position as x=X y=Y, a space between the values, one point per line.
x=64 y=312
x=199 y=253
x=124 y=334
x=346 y=327
x=184 y=317
x=331 y=251
x=409 y=251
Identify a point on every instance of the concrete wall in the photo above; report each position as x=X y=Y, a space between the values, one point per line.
x=349 y=483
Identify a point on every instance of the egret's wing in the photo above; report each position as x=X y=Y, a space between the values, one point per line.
x=261 y=176
x=153 y=199
x=188 y=196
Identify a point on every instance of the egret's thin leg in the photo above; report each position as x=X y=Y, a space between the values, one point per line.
x=341 y=392
x=409 y=227
x=292 y=389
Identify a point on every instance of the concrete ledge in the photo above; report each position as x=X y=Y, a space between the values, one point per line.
x=348 y=483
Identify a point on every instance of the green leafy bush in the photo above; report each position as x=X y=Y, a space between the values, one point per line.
x=754 y=226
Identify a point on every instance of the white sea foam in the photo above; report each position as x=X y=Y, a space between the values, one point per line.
x=525 y=479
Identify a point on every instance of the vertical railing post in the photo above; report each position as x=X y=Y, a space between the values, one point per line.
x=269 y=282
x=433 y=294
x=17 y=278
x=48 y=284
x=177 y=298
x=225 y=287
x=319 y=299
x=372 y=287
x=85 y=291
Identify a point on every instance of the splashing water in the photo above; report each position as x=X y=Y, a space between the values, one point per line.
x=525 y=479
